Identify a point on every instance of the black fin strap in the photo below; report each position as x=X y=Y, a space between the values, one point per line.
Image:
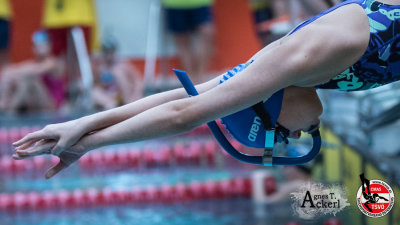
x=263 y=114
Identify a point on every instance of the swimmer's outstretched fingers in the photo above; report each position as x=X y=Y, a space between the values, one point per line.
x=67 y=157
x=39 y=148
x=63 y=134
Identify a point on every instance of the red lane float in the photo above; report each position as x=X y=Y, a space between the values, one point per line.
x=333 y=221
x=238 y=187
x=12 y=134
x=270 y=185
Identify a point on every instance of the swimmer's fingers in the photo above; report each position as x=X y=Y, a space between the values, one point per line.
x=38 y=149
x=35 y=136
x=55 y=169
x=25 y=145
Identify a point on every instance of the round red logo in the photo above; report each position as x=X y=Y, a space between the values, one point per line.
x=375 y=198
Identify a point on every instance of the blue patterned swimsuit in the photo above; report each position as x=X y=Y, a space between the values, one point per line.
x=380 y=64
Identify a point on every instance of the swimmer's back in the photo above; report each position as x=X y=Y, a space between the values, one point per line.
x=380 y=63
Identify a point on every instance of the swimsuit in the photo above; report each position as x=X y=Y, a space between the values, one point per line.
x=56 y=86
x=109 y=84
x=380 y=63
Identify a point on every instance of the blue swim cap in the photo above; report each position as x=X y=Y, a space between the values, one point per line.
x=40 y=37
x=245 y=126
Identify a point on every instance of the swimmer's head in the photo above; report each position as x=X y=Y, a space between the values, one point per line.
x=301 y=109
x=109 y=50
x=291 y=111
x=41 y=44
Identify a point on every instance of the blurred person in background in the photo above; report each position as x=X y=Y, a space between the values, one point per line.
x=60 y=16
x=33 y=85
x=262 y=12
x=117 y=82
x=294 y=177
x=285 y=14
x=191 y=23
x=313 y=7
x=5 y=20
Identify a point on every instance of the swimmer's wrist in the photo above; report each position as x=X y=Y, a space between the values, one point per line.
x=90 y=142
x=96 y=121
x=87 y=124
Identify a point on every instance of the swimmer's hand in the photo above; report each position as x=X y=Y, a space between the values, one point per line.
x=64 y=135
x=67 y=157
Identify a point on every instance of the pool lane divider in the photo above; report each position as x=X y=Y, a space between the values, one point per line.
x=240 y=187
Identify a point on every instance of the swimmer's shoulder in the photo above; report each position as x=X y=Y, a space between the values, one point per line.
x=348 y=23
x=329 y=45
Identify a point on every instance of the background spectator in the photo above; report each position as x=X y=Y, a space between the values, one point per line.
x=191 y=23
x=293 y=178
x=263 y=11
x=5 y=17
x=117 y=82
x=275 y=18
x=34 y=85
x=61 y=15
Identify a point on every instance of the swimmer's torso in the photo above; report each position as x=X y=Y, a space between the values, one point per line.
x=380 y=64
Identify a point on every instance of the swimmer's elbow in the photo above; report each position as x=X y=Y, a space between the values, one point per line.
x=182 y=119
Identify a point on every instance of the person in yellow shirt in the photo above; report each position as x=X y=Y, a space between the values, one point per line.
x=186 y=19
x=5 y=17
x=61 y=15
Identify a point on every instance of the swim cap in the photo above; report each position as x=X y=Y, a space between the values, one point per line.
x=40 y=37
x=246 y=126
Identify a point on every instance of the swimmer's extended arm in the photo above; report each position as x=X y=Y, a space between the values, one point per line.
x=297 y=61
x=68 y=133
x=119 y=114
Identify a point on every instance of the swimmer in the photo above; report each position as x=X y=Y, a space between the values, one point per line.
x=116 y=81
x=293 y=178
x=37 y=84
x=353 y=46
